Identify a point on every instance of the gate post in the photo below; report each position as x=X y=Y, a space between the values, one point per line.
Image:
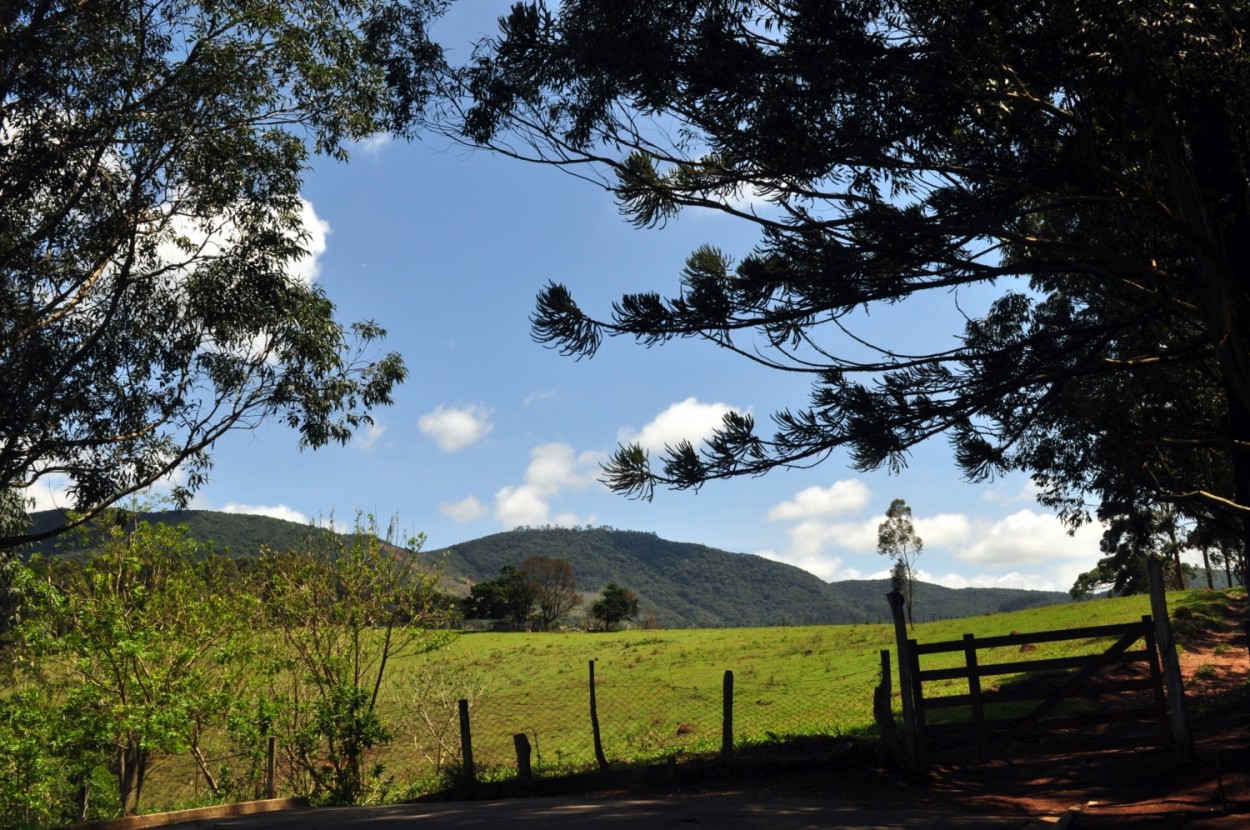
x=910 y=742
x=1171 y=664
x=974 y=694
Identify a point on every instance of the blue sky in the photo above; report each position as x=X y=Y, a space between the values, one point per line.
x=446 y=248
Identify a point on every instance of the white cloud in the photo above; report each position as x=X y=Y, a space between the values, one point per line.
x=824 y=566
x=1026 y=549
x=209 y=238
x=812 y=540
x=465 y=510
x=277 y=511
x=541 y=395
x=553 y=469
x=308 y=267
x=454 y=428
x=1029 y=538
x=943 y=530
x=752 y=199
x=521 y=505
x=364 y=440
x=1026 y=494
x=49 y=493
x=1015 y=579
x=374 y=144
x=838 y=499
x=687 y=420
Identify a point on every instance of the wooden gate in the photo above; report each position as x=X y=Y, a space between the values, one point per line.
x=1074 y=692
x=1079 y=694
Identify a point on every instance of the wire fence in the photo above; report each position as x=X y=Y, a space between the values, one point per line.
x=639 y=722
x=649 y=721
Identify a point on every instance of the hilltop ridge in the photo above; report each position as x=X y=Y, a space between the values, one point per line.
x=685 y=584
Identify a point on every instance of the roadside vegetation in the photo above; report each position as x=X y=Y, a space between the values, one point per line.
x=148 y=654
x=150 y=676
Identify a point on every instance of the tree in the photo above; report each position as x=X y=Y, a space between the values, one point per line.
x=614 y=605
x=1128 y=544
x=554 y=588
x=897 y=539
x=509 y=597
x=152 y=230
x=143 y=646
x=345 y=609
x=1084 y=162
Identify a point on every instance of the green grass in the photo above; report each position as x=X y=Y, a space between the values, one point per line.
x=658 y=693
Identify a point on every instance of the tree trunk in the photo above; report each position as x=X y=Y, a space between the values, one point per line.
x=82 y=801
x=203 y=765
x=132 y=761
x=1175 y=546
x=1216 y=207
x=1205 y=167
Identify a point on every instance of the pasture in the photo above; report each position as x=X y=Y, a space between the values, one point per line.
x=659 y=693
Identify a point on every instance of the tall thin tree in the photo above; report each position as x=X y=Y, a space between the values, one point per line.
x=897 y=539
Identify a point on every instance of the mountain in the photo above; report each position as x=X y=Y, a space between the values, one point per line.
x=686 y=585
x=234 y=534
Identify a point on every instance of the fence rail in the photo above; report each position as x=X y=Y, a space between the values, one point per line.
x=1166 y=706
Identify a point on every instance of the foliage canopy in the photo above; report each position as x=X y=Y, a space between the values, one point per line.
x=615 y=604
x=1088 y=162
x=554 y=587
x=151 y=231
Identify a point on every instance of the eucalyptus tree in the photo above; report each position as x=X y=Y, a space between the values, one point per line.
x=897 y=539
x=152 y=230
x=1085 y=162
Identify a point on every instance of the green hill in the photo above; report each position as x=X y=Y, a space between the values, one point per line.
x=234 y=534
x=686 y=585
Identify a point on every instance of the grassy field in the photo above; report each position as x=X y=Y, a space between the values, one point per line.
x=659 y=692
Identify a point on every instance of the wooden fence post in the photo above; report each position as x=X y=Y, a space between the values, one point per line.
x=594 y=721
x=727 y=718
x=521 y=742
x=904 y=679
x=466 y=747
x=883 y=712
x=974 y=695
x=1171 y=664
x=271 y=768
x=920 y=729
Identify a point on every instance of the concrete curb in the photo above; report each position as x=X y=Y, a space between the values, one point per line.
x=240 y=808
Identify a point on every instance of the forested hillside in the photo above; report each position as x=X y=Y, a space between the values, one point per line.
x=684 y=584
x=687 y=585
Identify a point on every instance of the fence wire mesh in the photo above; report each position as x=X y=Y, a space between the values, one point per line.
x=639 y=722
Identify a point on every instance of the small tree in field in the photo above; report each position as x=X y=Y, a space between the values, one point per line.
x=344 y=608
x=897 y=539
x=616 y=604
x=554 y=588
x=508 y=597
